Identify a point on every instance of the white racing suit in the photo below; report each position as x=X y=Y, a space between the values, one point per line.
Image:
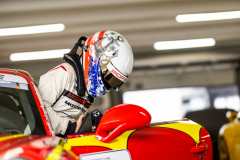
x=58 y=90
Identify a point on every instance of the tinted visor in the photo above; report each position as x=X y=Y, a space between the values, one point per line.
x=111 y=76
x=111 y=80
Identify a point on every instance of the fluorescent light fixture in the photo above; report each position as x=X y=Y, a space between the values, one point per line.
x=25 y=56
x=207 y=16
x=180 y=44
x=32 y=29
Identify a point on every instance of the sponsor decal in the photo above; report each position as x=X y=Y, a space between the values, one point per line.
x=1 y=77
x=76 y=98
x=96 y=113
x=12 y=78
x=23 y=86
x=107 y=155
x=118 y=75
x=15 y=85
x=75 y=106
x=8 y=84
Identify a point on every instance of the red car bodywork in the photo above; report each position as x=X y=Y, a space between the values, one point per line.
x=31 y=147
x=156 y=143
x=33 y=87
x=144 y=141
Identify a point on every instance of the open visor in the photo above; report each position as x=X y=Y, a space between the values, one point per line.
x=113 y=77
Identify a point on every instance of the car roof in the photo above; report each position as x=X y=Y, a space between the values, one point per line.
x=17 y=72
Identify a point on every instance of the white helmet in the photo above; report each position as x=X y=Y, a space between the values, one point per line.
x=107 y=62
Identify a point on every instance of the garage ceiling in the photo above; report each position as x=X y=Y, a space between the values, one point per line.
x=141 y=22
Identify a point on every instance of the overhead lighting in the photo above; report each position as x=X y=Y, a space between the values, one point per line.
x=32 y=29
x=207 y=16
x=25 y=56
x=180 y=44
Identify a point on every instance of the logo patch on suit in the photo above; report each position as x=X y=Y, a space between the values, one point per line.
x=76 y=98
x=75 y=106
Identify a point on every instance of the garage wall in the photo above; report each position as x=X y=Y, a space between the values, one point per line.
x=200 y=75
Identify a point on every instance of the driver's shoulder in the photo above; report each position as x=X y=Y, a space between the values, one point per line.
x=70 y=71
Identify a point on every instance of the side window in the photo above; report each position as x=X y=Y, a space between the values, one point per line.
x=19 y=112
x=12 y=115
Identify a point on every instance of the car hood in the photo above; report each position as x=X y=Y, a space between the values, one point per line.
x=157 y=141
x=29 y=147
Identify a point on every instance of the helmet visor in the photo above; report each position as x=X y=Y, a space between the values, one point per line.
x=113 y=77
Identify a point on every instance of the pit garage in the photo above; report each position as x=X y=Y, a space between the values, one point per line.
x=186 y=62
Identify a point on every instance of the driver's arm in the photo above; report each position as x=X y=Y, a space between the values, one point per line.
x=51 y=86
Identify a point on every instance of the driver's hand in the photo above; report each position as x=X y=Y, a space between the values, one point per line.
x=79 y=122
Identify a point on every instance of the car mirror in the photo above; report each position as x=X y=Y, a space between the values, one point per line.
x=119 y=119
x=231 y=115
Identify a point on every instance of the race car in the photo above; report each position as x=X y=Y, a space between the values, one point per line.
x=124 y=131
x=229 y=137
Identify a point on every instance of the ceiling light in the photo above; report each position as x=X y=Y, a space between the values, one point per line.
x=180 y=44
x=207 y=16
x=25 y=56
x=32 y=29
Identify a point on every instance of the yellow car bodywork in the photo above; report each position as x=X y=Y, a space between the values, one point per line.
x=188 y=127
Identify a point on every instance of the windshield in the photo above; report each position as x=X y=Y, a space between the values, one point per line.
x=18 y=110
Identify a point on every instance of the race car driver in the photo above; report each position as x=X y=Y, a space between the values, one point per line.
x=69 y=89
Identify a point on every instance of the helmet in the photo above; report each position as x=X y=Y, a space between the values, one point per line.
x=107 y=62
